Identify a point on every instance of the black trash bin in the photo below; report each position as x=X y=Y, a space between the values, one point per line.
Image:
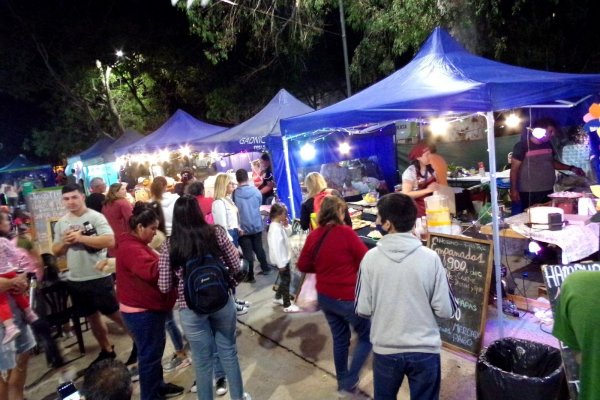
x=513 y=368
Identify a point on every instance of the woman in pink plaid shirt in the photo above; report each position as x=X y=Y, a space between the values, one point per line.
x=192 y=237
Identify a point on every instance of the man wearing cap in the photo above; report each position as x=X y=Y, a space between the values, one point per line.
x=419 y=179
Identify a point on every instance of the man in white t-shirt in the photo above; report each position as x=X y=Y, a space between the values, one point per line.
x=84 y=235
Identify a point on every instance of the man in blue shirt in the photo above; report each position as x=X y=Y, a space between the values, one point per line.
x=248 y=200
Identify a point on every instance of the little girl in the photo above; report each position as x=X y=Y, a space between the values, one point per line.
x=279 y=253
x=9 y=262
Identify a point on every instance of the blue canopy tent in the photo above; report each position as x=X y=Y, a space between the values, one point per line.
x=179 y=130
x=125 y=140
x=20 y=168
x=252 y=135
x=442 y=79
x=94 y=151
x=104 y=165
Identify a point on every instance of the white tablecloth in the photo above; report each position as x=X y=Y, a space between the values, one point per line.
x=575 y=241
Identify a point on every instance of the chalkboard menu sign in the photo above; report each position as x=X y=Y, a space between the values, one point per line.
x=46 y=208
x=468 y=266
x=554 y=276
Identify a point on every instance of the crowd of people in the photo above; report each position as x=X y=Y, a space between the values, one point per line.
x=153 y=247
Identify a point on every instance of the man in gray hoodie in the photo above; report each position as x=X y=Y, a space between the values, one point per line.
x=402 y=287
x=248 y=199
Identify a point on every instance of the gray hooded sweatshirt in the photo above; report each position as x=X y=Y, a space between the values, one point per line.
x=402 y=287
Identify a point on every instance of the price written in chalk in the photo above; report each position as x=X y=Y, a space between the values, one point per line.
x=468 y=268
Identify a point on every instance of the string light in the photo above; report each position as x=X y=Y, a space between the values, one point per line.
x=344 y=148
x=512 y=121
x=308 y=152
x=185 y=151
x=438 y=126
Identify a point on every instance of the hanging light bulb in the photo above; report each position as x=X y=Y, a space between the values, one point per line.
x=223 y=163
x=163 y=155
x=538 y=133
x=308 y=152
x=344 y=148
x=512 y=121
x=185 y=151
x=534 y=247
x=438 y=126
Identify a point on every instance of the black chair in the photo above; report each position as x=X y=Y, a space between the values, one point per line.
x=60 y=311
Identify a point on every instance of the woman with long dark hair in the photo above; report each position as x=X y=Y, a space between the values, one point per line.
x=193 y=238
x=143 y=306
x=333 y=252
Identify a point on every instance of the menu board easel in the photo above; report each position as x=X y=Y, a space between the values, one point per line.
x=46 y=208
x=468 y=265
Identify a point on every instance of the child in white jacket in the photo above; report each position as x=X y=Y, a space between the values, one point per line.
x=279 y=254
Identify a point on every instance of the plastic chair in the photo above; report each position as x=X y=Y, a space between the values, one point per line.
x=56 y=297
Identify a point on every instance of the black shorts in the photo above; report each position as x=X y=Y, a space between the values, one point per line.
x=95 y=295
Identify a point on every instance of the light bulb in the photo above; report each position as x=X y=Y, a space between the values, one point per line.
x=308 y=152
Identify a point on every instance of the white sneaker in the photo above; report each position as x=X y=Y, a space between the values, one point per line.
x=292 y=309
x=241 y=302
x=194 y=388
x=241 y=310
x=221 y=386
x=247 y=396
x=279 y=302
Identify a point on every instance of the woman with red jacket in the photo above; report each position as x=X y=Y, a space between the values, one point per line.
x=334 y=252
x=143 y=306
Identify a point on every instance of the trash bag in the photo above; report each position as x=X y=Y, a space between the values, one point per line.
x=513 y=368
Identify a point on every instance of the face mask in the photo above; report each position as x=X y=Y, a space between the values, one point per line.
x=379 y=227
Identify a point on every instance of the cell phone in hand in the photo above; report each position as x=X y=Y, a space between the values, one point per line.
x=68 y=391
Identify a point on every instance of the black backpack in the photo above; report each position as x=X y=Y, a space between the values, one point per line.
x=205 y=284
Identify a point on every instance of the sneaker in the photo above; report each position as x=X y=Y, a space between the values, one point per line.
x=10 y=333
x=170 y=390
x=194 y=388
x=277 y=301
x=292 y=309
x=103 y=356
x=247 y=396
x=221 y=386
x=241 y=310
x=267 y=272
x=176 y=362
x=135 y=374
x=249 y=279
x=132 y=356
x=243 y=302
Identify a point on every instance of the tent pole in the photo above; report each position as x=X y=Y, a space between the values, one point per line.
x=495 y=218
x=288 y=174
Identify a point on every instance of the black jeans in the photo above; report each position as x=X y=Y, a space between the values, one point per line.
x=283 y=290
x=252 y=244
x=530 y=198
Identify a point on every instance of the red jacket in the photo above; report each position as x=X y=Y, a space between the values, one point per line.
x=338 y=261
x=117 y=214
x=137 y=276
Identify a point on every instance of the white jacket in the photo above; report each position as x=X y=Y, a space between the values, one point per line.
x=279 y=244
x=168 y=203
x=225 y=213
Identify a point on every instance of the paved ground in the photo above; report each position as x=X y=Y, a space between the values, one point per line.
x=288 y=357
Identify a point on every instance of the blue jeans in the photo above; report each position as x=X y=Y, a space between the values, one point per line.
x=174 y=332
x=203 y=332
x=422 y=370
x=341 y=316
x=148 y=330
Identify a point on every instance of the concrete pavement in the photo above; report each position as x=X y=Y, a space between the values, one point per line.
x=287 y=356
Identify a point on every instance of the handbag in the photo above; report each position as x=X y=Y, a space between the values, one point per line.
x=307 y=297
